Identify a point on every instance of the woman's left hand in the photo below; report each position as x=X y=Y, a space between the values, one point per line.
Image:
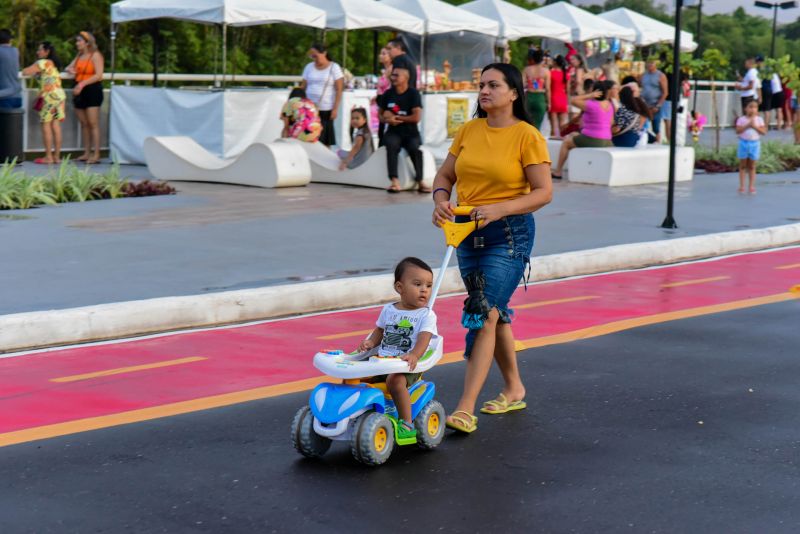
x=77 y=89
x=334 y=114
x=487 y=214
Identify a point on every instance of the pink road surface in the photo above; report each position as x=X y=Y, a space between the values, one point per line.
x=278 y=352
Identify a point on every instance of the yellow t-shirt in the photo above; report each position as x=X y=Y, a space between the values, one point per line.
x=490 y=162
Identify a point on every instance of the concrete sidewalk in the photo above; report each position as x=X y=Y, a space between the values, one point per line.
x=211 y=238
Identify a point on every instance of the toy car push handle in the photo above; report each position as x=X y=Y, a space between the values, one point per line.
x=454 y=234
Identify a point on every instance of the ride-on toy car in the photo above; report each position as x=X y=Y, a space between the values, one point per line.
x=363 y=413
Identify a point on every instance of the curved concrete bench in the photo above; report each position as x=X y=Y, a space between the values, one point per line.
x=629 y=166
x=182 y=159
x=372 y=173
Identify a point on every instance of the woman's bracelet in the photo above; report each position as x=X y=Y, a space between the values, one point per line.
x=440 y=189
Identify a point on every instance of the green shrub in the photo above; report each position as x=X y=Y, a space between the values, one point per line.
x=68 y=183
x=775 y=157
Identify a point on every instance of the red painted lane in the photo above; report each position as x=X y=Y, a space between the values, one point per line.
x=279 y=352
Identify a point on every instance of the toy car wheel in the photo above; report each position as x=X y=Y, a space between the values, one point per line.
x=305 y=440
x=373 y=439
x=430 y=425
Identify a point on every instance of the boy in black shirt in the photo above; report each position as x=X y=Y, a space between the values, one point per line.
x=401 y=109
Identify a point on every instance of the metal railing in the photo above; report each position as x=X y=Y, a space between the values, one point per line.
x=727 y=102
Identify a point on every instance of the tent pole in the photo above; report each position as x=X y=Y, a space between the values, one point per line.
x=423 y=58
x=216 y=56
x=113 y=51
x=224 y=52
x=155 y=52
x=375 y=51
x=344 y=51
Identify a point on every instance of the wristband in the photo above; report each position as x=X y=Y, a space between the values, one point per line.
x=440 y=189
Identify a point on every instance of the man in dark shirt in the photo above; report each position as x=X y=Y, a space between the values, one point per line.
x=401 y=109
x=397 y=49
x=10 y=87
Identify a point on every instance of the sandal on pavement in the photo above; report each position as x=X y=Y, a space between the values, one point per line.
x=42 y=161
x=467 y=425
x=423 y=190
x=501 y=405
x=82 y=158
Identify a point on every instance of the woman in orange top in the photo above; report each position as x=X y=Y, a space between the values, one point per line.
x=501 y=165
x=88 y=93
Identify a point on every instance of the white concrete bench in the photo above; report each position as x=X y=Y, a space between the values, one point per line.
x=261 y=165
x=629 y=166
x=371 y=173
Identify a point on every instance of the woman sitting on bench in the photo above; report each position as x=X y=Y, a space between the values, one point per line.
x=598 y=116
x=629 y=119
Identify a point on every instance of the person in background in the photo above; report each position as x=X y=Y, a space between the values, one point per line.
x=10 y=86
x=577 y=73
x=629 y=119
x=397 y=49
x=362 y=141
x=777 y=101
x=748 y=86
x=300 y=118
x=536 y=80
x=87 y=95
x=383 y=85
x=323 y=81
x=765 y=96
x=50 y=100
x=559 y=102
x=598 y=117
x=610 y=69
x=401 y=107
x=655 y=93
x=749 y=128
x=788 y=95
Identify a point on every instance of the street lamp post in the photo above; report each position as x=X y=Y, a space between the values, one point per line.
x=669 y=220
x=774 y=7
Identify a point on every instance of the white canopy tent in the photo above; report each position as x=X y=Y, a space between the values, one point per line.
x=648 y=30
x=366 y=14
x=223 y=12
x=585 y=25
x=441 y=17
x=516 y=22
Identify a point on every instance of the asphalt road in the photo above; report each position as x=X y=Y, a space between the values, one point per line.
x=687 y=426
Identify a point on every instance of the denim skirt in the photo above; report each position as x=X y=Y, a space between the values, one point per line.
x=498 y=254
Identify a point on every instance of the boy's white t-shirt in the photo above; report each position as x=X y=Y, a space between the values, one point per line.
x=750 y=134
x=401 y=328
x=751 y=75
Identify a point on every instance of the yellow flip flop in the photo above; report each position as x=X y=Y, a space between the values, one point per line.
x=501 y=405
x=466 y=425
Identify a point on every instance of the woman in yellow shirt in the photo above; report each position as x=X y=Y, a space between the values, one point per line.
x=501 y=165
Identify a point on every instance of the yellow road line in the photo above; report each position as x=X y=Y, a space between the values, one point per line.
x=559 y=301
x=697 y=281
x=346 y=334
x=156 y=412
x=217 y=401
x=132 y=369
x=790 y=266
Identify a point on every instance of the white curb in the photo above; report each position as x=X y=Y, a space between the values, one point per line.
x=107 y=321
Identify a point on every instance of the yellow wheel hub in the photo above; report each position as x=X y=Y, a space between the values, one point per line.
x=380 y=439
x=433 y=424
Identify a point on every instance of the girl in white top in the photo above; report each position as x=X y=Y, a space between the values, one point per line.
x=323 y=81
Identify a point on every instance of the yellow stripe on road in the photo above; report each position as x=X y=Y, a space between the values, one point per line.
x=217 y=401
x=551 y=302
x=123 y=370
x=346 y=334
x=698 y=281
x=791 y=266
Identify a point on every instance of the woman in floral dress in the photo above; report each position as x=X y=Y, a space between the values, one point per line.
x=50 y=100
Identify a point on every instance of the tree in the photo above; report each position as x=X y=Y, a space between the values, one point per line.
x=712 y=66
